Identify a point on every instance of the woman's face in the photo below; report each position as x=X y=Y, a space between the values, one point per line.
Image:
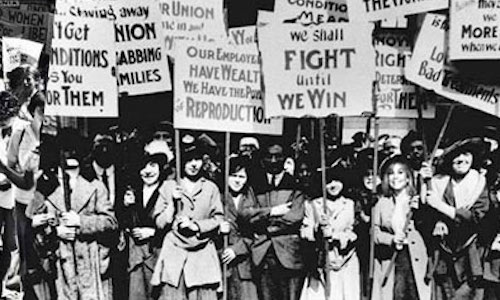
x=193 y=167
x=150 y=173
x=334 y=187
x=462 y=163
x=237 y=180
x=398 y=178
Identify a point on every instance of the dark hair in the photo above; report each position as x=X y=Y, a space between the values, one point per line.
x=389 y=168
x=238 y=163
x=9 y=106
x=16 y=77
x=35 y=102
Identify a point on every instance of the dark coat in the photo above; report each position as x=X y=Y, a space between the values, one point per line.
x=282 y=233
x=461 y=251
x=240 y=238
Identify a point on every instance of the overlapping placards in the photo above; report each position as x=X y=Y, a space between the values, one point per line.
x=30 y=25
x=140 y=53
x=427 y=68
x=246 y=35
x=217 y=87
x=16 y=52
x=474 y=29
x=396 y=97
x=317 y=70
x=81 y=77
x=375 y=10
x=197 y=20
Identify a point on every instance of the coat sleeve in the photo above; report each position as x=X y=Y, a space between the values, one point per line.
x=216 y=215
x=164 y=210
x=476 y=213
x=103 y=218
x=381 y=235
x=309 y=223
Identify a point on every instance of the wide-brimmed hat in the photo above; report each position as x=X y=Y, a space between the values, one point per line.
x=191 y=147
x=474 y=145
x=391 y=160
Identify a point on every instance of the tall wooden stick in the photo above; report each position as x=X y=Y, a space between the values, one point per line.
x=226 y=193
x=178 y=206
x=373 y=200
x=325 y=205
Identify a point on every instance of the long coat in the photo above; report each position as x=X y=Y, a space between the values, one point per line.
x=240 y=238
x=143 y=254
x=461 y=252
x=194 y=257
x=85 y=276
x=282 y=233
x=384 y=235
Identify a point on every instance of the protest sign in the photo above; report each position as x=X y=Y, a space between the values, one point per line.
x=34 y=26
x=218 y=87
x=310 y=12
x=474 y=29
x=16 y=52
x=83 y=61
x=374 y=10
x=198 y=20
x=427 y=68
x=317 y=70
x=396 y=97
x=141 y=59
x=10 y=3
x=246 y=35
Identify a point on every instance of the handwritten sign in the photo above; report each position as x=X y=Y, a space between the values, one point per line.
x=317 y=70
x=198 y=20
x=34 y=26
x=17 y=52
x=396 y=97
x=217 y=87
x=474 y=29
x=427 y=68
x=374 y=10
x=141 y=57
x=81 y=81
x=311 y=12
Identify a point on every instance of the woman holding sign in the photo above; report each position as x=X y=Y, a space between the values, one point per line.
x=400 y=253
x=237 y=255
x=188 y=266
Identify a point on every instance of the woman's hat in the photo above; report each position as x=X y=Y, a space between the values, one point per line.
x=191 y=147
x=475 y=145
x=158 y=151
x=391 y=160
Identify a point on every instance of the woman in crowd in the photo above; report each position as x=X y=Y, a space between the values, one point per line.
x=188 y=266
x=237 y=255
x=144 y=239
x=460 y=201
x=82 y=255
x=400 y=253
x=335 y=225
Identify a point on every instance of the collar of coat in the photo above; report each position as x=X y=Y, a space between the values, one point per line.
x=474 y=180
x=80 y=196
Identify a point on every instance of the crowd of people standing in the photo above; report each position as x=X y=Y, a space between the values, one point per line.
x=115 y=218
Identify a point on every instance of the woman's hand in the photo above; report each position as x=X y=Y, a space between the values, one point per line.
x=440 y=229
x=228 y=256
x=71 y=219
x=281 y=210
x=177 y=192
x=66 y=233
x=143 y=233
x=40 y=220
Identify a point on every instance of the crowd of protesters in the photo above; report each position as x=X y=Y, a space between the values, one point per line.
x=113 y=217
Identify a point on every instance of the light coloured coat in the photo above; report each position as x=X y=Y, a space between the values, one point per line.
x=193 y=257
x=384 y=235
x=87 y=277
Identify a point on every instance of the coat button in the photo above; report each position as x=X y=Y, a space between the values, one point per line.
x=413 y=242
x=416 y=259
